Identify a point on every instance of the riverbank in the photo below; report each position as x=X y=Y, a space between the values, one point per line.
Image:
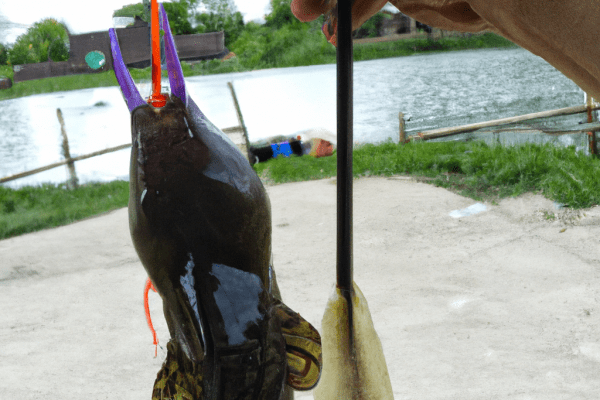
x=297 y=55
x=470 y=169
x=498 y=305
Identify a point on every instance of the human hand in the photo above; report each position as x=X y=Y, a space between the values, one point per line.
x=308 y=10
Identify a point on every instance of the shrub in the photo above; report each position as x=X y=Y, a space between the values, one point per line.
x=43 y=37
x=3 y=54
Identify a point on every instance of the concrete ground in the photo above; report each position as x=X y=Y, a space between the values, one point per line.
x=498 y=305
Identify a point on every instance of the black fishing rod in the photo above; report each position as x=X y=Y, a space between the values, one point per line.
x=344 y=147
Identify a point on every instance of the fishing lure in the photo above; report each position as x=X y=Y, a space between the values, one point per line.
x=200 y=222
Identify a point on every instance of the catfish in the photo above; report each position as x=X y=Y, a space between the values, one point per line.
x=200 y=221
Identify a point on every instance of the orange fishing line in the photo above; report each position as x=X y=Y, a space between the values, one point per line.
x=147 y=288
x=157 y=99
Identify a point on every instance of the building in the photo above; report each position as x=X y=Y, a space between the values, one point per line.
x=135 y=47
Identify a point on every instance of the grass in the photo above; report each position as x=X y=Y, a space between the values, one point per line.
x=309 y=52
x=107 y=78
x=407 y=47
x=30 y=209
x=472 y=169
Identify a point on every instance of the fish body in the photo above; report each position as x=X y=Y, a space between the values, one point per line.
x=200 y=222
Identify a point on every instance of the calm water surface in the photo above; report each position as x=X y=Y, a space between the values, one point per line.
x=434 y=90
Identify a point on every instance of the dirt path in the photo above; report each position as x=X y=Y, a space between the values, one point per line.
x=502 y=304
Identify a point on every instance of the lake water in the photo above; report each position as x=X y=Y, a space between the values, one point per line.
x=433 y=90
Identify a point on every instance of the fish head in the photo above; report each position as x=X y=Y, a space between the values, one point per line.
x=200 y=222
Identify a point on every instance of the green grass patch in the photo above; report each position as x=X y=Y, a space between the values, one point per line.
x=407 y=47
x=31 y=209
x=472 y=169
x=104 y=79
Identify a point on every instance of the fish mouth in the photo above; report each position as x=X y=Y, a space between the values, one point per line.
x=128 y=88
x=226 y=163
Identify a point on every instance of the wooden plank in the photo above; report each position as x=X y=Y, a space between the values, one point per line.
x=455 y=130
x=581 y=128
x=233 y=129
x=235 y=133
x=58 y=164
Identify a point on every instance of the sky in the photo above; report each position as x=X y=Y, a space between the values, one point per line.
x=80 y=17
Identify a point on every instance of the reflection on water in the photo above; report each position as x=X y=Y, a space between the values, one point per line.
x=455 y=88
x=433 y=91
x=13 y=143
x=33 y=124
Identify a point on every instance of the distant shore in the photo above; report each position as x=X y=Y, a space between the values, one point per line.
x=369 y=50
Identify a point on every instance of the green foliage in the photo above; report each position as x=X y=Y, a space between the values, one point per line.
x=59 y=83
x=132 y=11
x=3 y=54
x=405 y=47
x=44 y=38
x=210 y=67
x=230 y=23
x=371 y=28
x=7 y=71
x=58 y=51
x=288 y=46
x=178 y=15
x=177 y=12
x=220 y=15
x=33 y=208
x=296 y=169
x=281 y=15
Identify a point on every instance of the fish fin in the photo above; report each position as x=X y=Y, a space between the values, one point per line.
x=303 y=346
x=178 y=378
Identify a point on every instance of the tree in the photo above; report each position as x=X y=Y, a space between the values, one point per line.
x=371 y=28
x=47 y=39
x=132 y=11
x=281 y=15
x=3 y=54
x=220 y=15
x=231 y=24
x=282 y=41
x=221 y=7
x=178 y=13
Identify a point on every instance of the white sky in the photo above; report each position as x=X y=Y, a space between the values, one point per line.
x=88 y=16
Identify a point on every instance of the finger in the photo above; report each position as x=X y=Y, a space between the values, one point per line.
x=308 y=10
x=362 y=10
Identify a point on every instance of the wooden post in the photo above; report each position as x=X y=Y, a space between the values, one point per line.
x=402 y=136
x=589 y=104
x=72 y=183
x=241 y=120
